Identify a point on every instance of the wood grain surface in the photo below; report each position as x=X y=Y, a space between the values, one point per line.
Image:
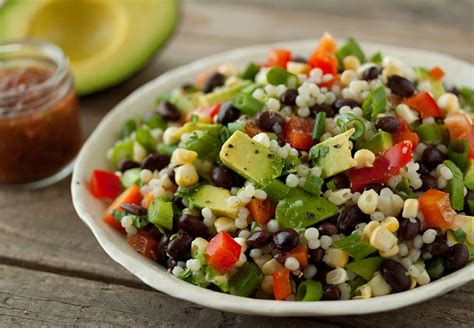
x=53 y=272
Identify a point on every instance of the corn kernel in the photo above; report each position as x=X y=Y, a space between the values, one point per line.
x=198 y=246
x=423 y=278
x=351 y=62
x=225 y=224
x=367 y=202
x=183 y=156
x=364 y=158
x=369 y=228
x=363 y=292
x=448 y=102
x=379 y=286
x=335 y=257
x=410 y=208
x=382 y=239
x=391 y=252
x=267 y=284
x=260 y=261
x=186 y=175
x=413 y=282
x=391 y=70
x=347 y=77
x=336 y=276
x=391 y=223
x=298 y=68
x=271 y=266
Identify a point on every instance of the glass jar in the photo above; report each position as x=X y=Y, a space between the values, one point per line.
x=39 y=119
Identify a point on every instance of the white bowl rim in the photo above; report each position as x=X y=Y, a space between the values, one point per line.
x=159 y=279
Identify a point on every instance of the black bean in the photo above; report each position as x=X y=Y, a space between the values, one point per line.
x=134 y=209
x=127 y=164
x=188 y=86
x=455 y=91
x=341 y=181
x=299 y=59
x=155 y=162
x=213 y=81
x=371 y=73
x=286 y=239
x=179 y=248
x=395 y=275
x=432 y=157
x=160 y=252
x=316 y=255
x=259 y=239
x=331 y=293
x=458 y=257
x=377 y=187
x=388 y=123
x=280 y=257
x=428 y=182
x=227 y=114
x=178 y=201
x=436 y=250
x=327 y=228
x=270 y=121
x=400 y=86
x=346 y=102
x=349 y=217
x=222 y=177
x=193 y=226
x=168 y=111
x=330 y=111
x=423 y=168
x=409 y=229
x=172 y=263
x=289 y=97
x=470 y=195
x=172 y=175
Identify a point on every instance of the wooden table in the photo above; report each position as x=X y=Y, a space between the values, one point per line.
x=52 y=270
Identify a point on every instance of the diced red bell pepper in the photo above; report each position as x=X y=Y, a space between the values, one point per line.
x=222 y=252
x=262 y=210
x=324 y=56
x=362 y=177
x=398 y=156
x=424 y=104
x=105 y=184
x=405 y=134
x=131 y=195
x=460 y=128
x=298 y=132
x=144 y=244
x=209 y=111
x=437 y=210
x=437 y=73
x=279 y=57
x=282 y=284
x=252 y=129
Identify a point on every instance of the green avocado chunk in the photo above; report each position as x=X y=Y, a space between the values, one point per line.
x=215 y=198
x=250 y=159
x=379 y=142
x=221 y=95
x=333 y=155
x=301 y=210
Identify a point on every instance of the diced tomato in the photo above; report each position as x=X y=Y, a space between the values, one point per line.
x=398 y=156
x=405 y=134
x=105 y=184
x=131 y=195
x=460 y=128
x=281 y=284
x=298 y=132
x=362 y=177
x=424 y=104
x=324 y=56
x=437 y=210
x=222 y=252
x=437 y=73
x=300 y=253
x=252 y=129
x=204 y=112
x=262 y=210
x=144 y=244
x=279 y=57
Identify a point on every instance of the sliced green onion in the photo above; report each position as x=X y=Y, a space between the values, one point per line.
x=355 y=246
x=234 y=126
x=131 y=177
x=355 y=283
x=250 y=71
x=455 y=186
x=435 y=269
x=128 y=127
x=460 y=235
x=277 y=75
x=467 y=96
x=350 y=48
x=276 y=190
x=167 y=149
x=244 y=282
x=155 y=122
x=366 y=267
x=249 y=89
x=319 y=125
x=458 y=153
x=248 y=104
x=376 y=58
x=374 y=104
x=348 y=121
x=121 y=150
x=313 y=184
x=145 y=139
x=429 y=133
x=403 y=189
x=309 y=290
x=160 y=214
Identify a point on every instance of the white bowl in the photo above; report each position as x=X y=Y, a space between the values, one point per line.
x=90 y=210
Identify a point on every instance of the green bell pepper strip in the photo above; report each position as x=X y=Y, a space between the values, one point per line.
x=244 y=282
x=458 y=153
x=348 y=121
x=355 y=246
x=145 y=139
x=128 y=127
x=247 y=104
x=155 y=122
x=250 y=71
x=319 y=125
x=350 y=48
x=366 y=267
x=429 y=133
x=374 y=104
x=455 y=186
x=309 y=290
x=131 y=177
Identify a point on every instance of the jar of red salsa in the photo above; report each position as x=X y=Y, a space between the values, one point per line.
x=39 y=120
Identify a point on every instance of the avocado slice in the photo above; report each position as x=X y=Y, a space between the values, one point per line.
x=105 y=41
x=215 y=198
x=379 y=142
x=469 y=175
x=333 y=155
x=250 y=159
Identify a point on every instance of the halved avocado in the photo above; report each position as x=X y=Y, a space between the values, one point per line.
x=105 y=40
